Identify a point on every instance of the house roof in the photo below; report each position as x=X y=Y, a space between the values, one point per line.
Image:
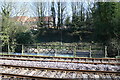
x=31 y=19
x=21 y=18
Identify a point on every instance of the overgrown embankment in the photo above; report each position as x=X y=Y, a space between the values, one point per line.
x=64 y=35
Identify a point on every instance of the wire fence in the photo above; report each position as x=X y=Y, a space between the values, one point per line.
x=57 y=50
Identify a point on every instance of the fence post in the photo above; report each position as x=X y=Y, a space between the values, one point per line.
x=105 y=51
x=74 y=52
x=22 y=49
x=118 y=53
x=55 y=47
x=8 y=48
x=37 y=49
x=90 y=51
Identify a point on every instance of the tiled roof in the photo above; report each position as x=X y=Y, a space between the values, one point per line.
x=31 y=19
x=21 y=18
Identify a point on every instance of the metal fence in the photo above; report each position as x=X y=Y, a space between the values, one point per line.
x=58 y=50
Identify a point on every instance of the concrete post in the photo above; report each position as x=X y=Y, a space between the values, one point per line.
x=74 y=52
x=8 y=48
x=105 y=51
x=22 y=49
x=90 y=51
x=37 y=49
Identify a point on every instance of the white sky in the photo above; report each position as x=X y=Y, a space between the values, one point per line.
x=60 y=0
x=30 y=8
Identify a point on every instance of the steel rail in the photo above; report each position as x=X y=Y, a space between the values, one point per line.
x=91 y=71
x=36 y=56
x=9 y=58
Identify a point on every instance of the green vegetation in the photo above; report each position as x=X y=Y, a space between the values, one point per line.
x=98 y=23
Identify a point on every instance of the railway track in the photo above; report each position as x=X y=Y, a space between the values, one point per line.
x=53 y=60
x=56 y=74
x=25 y=67
x=110 y=61
x=62 y=65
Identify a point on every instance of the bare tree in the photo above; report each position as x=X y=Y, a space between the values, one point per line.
x=39 y=11
x=63 y=7
x=60 y=11
x=74 y=13
x=53 y=10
